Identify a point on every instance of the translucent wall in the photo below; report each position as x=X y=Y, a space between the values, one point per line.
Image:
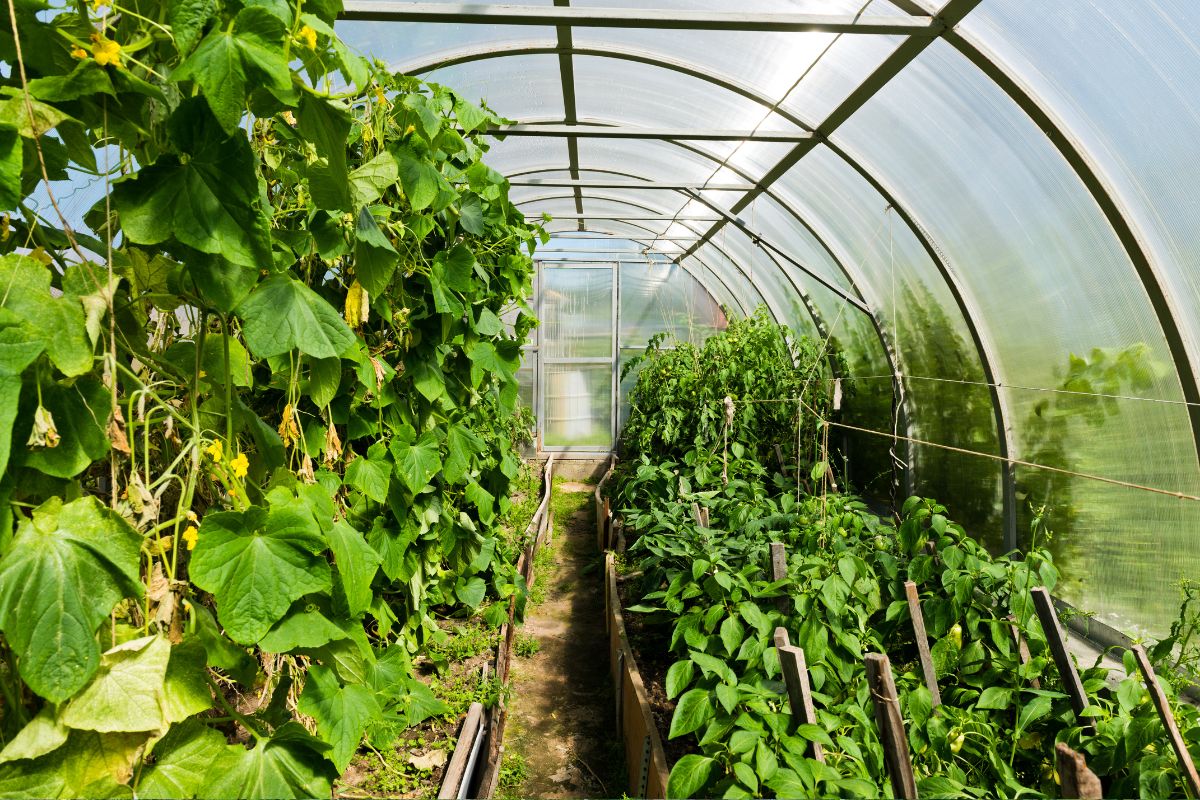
x=1012 y=269
x=1051 y=285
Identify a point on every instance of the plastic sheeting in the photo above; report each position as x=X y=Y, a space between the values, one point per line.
x=940 y=234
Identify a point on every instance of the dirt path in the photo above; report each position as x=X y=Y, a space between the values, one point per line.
x=561 y=741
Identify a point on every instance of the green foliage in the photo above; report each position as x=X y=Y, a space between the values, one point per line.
x=262 y=400
x=707 y=591
x=678 y=401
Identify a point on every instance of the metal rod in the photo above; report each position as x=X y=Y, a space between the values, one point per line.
x=663 y=19
x=640 y=218
x=676 y=186
x=634 y=132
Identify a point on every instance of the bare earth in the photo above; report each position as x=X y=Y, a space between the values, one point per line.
x=561 y=717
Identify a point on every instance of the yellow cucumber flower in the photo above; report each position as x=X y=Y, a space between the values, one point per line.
x=216 y=450
x=105 y=50
x=308 y=37
x=79 y=53
x=190 y=535
x=239 y=465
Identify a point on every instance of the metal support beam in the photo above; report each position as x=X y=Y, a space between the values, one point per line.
x=674 y=186
x=566 y=76
x=652 y=18
x=951 y=14
x=634 y=218
x=633 y=132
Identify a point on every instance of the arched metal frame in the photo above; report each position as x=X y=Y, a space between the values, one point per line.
x=1183 y=350
x=985 y=350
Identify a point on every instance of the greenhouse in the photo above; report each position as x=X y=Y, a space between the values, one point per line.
x=789 y=398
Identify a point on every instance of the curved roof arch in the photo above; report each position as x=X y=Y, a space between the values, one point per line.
x=897 y=102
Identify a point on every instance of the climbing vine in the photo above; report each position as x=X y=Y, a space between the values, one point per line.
x=253 y=406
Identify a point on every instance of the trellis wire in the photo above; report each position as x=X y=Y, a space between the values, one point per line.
x=1014 y=461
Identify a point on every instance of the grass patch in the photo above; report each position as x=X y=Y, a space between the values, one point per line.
x=462 y=642
x=526 y=646
x=513 y=774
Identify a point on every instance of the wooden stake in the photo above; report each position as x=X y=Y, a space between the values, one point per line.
x=783 y=467
x=891 y=725
x=779 y=572
x=795 y=675
x=1062 y=659
x=1077 y=780
x=1022 y=648
x=918 y=623
x=1159 y=699
x=781 y=637
x=696 y=516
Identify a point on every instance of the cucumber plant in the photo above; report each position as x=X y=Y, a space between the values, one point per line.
x=255 y=428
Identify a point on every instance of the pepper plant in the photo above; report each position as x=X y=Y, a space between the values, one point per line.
x=254 y=406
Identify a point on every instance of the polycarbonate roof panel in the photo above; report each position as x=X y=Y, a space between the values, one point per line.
x=659 y=98
x=519 y=154
x=517 y=87
x=647 y=159
x=1053 y=286
x=1123 y=77
x=413 y=47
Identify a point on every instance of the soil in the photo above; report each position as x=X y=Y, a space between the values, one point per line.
x=561 y=717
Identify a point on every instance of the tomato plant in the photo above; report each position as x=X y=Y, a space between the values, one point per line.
x=255 y=422
x=759 y=365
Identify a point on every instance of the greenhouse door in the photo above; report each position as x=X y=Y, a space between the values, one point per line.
x=577 y=375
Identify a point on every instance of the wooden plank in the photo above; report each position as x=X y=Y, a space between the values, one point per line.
x=456 y=770
x=1022 y=648
x=696 y=517
x=1062 y=659
x=781 y=637
x=1159 y=698
x=1077 y=780
x=918 y=623
x=891 y=726
x=795 y=676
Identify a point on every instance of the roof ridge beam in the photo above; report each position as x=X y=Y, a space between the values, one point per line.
x=653 y=18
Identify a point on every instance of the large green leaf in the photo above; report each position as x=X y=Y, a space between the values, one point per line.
x=326 y=125
x=694 y=709
x=283 y=314
x=80 y=413
x=230 y=56
x=182 y=762
x=284 y=766
x=187 y=18
x=301 y=629
x=689 y=775
x=342 y=713
x=371 y=475
x=57 y=322
x=43 y=734
x=90 y=764
x=420 y=178
x=357 y=562
x=11 y=162
x=256 y=563
x=63 y=573
x=126 y=694
x=462 y=446
x=208 y=199
x=417 y=463
x=372 y=179
x=17 y=351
